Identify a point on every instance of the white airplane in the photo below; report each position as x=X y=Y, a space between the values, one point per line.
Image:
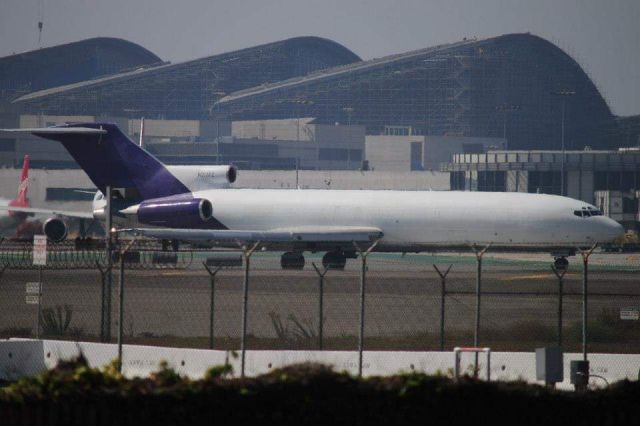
x=170 y=200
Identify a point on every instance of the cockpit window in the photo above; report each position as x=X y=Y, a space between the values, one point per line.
x=587 y=212
x=594 y=211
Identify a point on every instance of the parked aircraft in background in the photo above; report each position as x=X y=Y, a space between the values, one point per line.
x=15 y=223
x=170 y=200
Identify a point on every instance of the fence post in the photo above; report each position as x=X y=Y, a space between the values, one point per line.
x=320 y=302
x=212 y=284
x=121 y=302
x=363 y=272
x=585 y=280
x=38 y=321
x=103 y=301
x=443 y=283
x=246 y=253
x=560 y=275
x=476 y=333
x=109 y=252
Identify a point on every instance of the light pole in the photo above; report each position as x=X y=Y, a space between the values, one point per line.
x=220 y=95
x=298 y=102
x=564 y=94
x=506 y=109
x=349 y=111
x=296 y=114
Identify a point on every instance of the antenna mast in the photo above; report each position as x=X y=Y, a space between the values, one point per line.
x=40 y=21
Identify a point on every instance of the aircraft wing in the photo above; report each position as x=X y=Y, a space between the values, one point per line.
x=52 y=212
x=294 y=236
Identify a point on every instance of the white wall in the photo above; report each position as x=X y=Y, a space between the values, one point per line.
x=31 y=356
x=286 y=129
x=389 y=153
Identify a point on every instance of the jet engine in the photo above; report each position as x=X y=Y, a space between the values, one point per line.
x=198 y=178
x=55 y=229
x=175 y=212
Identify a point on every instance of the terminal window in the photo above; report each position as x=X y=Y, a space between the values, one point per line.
x=355 y=155
x=616 y=181
x=457 y=181
x=416 y=156
x=339 y=154
x=491 y=181
x=398 y=130
x=545 y=182
x=7 y=145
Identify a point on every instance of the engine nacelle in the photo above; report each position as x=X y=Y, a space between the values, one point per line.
x=175 y=212
x=55 y=229
x=198 y=178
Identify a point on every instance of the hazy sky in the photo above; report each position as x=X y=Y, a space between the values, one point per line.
x=602 y=35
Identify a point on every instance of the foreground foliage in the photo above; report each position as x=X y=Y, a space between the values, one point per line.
x=74 y=393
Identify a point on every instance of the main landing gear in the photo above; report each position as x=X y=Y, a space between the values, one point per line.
x=174 y=244
x=292 y=260
x=335 y=259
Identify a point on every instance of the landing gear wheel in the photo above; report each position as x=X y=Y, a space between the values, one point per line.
x=292 y=260
x=334 y=260
x=174 y=244
x=561 y=263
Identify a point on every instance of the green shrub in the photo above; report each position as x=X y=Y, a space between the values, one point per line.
x=74 y=393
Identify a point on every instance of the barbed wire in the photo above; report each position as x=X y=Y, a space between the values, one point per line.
x=145 y=254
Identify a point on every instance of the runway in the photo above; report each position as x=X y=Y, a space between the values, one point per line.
x=519 y=303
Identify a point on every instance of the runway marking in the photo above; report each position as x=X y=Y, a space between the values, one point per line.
x=173 y=273
x=532 y=277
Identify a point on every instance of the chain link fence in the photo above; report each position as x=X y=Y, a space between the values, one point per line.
x=172 y=299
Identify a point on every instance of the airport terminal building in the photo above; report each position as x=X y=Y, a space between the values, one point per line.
x=477 y=114
x=513 y=87
x=608 y=179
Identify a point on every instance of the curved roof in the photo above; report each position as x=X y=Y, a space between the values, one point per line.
x=189 y=89
x=68 y=63
x=495 y=87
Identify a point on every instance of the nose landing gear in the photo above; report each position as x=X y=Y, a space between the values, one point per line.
x=336 y=259
x=292 y=260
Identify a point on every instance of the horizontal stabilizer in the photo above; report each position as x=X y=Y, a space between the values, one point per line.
x=110 y=158
x=59 y=131
x=35 y=210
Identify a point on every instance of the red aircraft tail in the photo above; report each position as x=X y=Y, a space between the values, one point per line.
x=21 y=199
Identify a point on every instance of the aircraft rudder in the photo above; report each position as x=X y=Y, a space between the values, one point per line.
x=111 y=158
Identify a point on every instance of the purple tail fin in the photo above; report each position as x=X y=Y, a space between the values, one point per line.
x=113 y=159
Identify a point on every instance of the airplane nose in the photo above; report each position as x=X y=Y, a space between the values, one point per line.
x=611 y=230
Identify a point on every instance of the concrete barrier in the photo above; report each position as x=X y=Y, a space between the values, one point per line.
x=25 y=357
